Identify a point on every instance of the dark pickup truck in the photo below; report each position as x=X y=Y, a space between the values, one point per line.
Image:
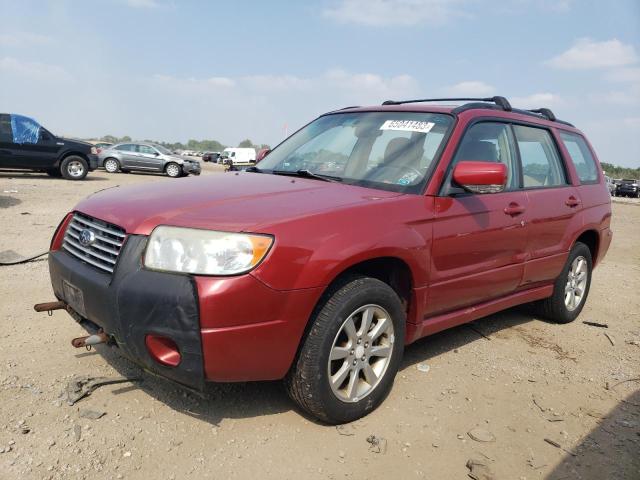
x=26 y=145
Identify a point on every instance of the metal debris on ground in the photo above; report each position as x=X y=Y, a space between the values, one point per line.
x=557 y=445
x=481 y=435
x=610 y=338
x=611 y=387
x=423 y=367
x=91 y=414
x=596 y=324
x=81 y=386
x=377 y=444
x=478 y=470
x=342 y=430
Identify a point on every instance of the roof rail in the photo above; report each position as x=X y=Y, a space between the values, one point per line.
x=545 y=112
x=502 y=102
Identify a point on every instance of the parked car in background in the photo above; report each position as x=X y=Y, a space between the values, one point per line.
x=239 y=156
x=611 y=185
x=363 y=232
x=211 y=157
x=146 y=157
x=27 y=145
x=628 y=188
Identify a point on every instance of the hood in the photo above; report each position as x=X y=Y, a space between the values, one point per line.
x=232 y=202
x=75 y=141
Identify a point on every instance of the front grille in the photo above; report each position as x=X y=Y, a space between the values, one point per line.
x=105 y=241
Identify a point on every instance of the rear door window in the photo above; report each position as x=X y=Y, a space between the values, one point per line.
x=541 y=164
x=127 y=147
x=581 y=157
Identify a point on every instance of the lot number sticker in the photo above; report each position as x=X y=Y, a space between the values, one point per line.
x=407 y=126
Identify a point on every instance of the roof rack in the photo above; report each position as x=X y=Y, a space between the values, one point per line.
x=502 y=102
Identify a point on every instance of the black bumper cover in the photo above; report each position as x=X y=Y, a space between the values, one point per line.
x=134 y=302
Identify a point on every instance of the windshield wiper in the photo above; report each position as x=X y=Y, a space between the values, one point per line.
x=253 y=169
x=308 y=174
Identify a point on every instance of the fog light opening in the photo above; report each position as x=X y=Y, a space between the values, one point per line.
x=163 y=350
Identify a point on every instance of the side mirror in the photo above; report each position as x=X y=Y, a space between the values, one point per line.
x=44 y=136
x=481 y=177
x=262 y=153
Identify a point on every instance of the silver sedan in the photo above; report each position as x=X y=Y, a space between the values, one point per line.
x=146 y=157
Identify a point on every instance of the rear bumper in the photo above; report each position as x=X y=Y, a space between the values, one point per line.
x=226 y=328
x=93 y=161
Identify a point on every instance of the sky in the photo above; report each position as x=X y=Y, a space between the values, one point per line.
x=174 y=70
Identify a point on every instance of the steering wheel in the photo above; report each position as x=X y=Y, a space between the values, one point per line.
x=401 y=169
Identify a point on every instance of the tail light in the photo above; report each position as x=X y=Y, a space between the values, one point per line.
x=163 y=350
x=98 y=150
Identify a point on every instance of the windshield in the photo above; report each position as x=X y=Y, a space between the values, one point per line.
x=387 y=150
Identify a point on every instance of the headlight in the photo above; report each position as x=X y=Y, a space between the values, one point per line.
x=205 y=252
x=94 y=150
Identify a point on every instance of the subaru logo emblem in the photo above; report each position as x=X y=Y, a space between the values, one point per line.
x=87 y=237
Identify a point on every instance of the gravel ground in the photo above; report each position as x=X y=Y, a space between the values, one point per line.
x=554 y=401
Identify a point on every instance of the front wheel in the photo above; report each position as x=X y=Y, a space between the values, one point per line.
x=352 y=351
x=571 y=287
x=173 y=170
x=74 y=168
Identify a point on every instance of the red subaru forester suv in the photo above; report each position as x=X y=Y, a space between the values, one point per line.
x=367 y=229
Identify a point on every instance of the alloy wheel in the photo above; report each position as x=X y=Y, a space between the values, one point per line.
x=576 y=283
x=361 y=353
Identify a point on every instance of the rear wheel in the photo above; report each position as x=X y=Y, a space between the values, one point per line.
x=351 y=354
x=571 y=287
x=173 y=170
x=74 y=168
x=111 y=165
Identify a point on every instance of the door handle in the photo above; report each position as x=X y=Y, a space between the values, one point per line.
x=514 y=209
x=572 y=202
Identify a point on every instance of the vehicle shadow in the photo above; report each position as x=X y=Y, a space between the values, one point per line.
x=612 y=449
x=454 y=338
x=9 y=174
x=251 y=399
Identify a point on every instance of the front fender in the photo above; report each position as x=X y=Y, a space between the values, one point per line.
x=313 y=251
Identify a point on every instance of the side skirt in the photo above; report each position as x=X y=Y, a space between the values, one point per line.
x=438 y=323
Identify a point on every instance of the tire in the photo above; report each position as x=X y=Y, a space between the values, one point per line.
x=54 y=172
x=173 y=170
x=111 y=165
x=348 y=301
x=557 y=308
x=74 y=167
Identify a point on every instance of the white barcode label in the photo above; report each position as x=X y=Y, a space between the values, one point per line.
x=407 y=126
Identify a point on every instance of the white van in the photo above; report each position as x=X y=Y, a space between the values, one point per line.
x=240 y=156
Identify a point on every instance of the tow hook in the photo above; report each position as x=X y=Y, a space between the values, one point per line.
x=49 y=307
x=90 y=340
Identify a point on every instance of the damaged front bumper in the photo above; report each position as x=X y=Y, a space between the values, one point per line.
x=133 y=304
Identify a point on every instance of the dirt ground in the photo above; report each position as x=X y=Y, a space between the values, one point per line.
x=559 y=400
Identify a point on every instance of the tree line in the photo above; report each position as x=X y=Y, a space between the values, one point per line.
x=615 y=171
x=192 y=144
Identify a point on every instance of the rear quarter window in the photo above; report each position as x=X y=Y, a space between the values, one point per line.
x=581 y=157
